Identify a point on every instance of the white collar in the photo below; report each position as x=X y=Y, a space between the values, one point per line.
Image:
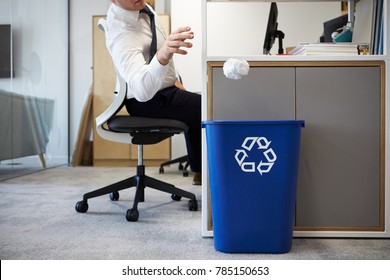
x=126 y=14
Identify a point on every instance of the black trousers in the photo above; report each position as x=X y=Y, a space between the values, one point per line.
x=177 y=104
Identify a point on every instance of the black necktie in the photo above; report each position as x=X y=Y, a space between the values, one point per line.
x=153 y=45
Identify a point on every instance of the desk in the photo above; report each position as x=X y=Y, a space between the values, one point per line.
x=341 y=173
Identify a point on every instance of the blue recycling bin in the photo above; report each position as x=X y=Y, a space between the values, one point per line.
x=253 y=170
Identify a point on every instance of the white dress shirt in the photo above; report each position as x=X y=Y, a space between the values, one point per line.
x=128 y=39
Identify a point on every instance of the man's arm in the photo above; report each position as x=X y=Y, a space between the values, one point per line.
x=179 y=85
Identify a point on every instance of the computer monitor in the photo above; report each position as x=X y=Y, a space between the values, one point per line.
x=333 y=25
x=272 y=31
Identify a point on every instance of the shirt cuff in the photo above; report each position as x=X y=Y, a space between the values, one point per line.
x=156 y=69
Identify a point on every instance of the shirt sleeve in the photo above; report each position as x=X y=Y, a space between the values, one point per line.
x=143 y=80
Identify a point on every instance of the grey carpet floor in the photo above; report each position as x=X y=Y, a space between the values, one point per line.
x=38 y=222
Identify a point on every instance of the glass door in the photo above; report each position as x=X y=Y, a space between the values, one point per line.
x=33 y=86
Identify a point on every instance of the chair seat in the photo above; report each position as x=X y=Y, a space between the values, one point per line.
x=146 y=130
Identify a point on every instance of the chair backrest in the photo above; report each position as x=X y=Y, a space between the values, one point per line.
x=114 y=108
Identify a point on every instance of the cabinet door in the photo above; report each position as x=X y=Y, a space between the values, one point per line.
x=266 y=93
x=339 y=184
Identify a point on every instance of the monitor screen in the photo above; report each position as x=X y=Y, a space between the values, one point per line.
x=272 y=31
x=5 y=51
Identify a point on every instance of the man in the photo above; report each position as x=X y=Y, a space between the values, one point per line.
x=151 y=77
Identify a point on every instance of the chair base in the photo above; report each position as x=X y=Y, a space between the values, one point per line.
x=140 y=181
x=180 y=160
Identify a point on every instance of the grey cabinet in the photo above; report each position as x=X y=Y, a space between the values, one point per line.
x=341 y=173
x=339 y=183
x=266 y=93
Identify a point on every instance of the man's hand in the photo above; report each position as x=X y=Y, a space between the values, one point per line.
x=175 y=43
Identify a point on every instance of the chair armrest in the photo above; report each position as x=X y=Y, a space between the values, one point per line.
x=102 y=24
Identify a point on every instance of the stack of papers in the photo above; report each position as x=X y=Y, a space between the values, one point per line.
x=321 y=49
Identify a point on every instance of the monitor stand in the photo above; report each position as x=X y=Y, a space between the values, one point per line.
x=280 y=35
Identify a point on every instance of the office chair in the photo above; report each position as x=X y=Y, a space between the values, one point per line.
x=182 y=161
x=140 y=131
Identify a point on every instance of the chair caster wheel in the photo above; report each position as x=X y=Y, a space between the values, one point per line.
x=193 y=205
x=185 y=173
x=81 y=206
x=161 y=171
x=181 y=167
x=114 y=196
x=176 y=197
x=132 y=215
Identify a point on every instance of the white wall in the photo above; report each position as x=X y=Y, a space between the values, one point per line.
x=190 y=65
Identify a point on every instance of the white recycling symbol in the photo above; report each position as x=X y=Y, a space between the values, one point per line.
x=262 y=145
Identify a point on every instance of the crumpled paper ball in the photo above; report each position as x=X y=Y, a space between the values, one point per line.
x=235 y=68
